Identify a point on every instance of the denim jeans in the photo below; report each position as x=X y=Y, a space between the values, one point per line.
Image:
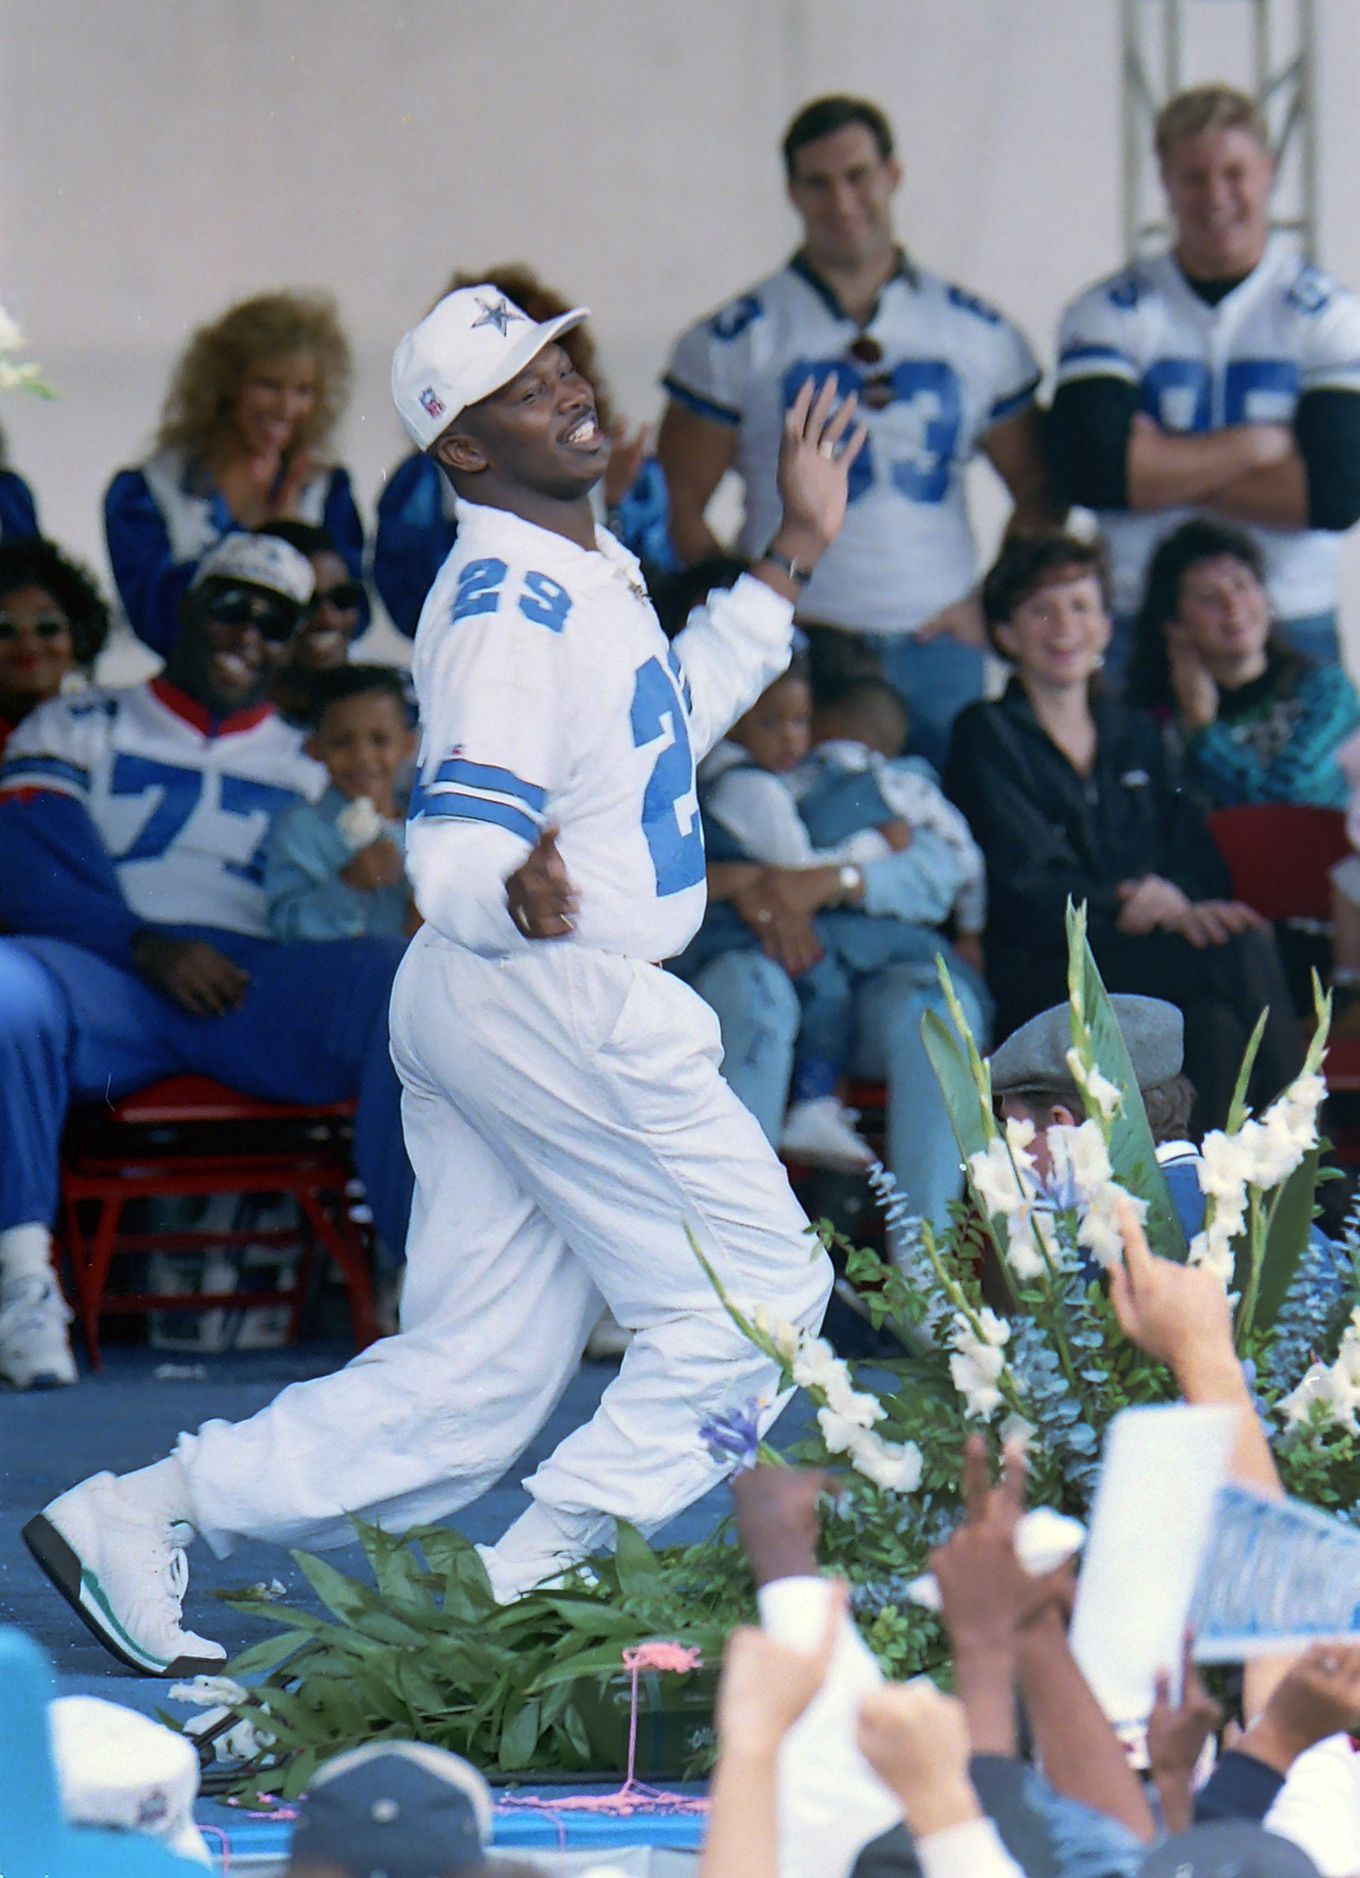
x=758 y=1012
x=937 y=680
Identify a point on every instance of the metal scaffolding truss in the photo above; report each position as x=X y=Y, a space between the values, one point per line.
x=1265 y=47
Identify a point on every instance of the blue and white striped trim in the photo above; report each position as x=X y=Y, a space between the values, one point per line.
x=452 y=805
x=701 y=406
x=44 y=772
x=461 y=790
x=1096 y=362
x=457 y=770
x=1336 y=377
x=1015 y=401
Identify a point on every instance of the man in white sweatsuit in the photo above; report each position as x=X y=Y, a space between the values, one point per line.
x=562 y=1105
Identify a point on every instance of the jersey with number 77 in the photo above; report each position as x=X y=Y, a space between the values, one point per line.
x=549 y=696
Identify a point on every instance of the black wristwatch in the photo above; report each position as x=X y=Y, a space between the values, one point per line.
x=797 y=573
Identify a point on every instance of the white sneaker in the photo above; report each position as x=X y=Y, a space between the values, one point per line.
x=35 y=1349
x=822 y=1133
x=124 y=1574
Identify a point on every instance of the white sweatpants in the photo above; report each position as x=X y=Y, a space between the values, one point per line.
x=566 y=1122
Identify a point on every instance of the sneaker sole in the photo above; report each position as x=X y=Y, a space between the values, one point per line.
x=82 y=1592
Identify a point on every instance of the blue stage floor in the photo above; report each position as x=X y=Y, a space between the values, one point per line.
x=129 y=1415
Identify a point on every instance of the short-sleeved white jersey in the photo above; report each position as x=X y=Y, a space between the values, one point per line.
x=951 y=368
x=1287 y=329
x=548 y=695
x=183 y=803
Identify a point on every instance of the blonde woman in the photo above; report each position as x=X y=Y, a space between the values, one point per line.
x=251 y=409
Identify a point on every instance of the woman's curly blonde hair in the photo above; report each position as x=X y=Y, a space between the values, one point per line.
x=217 y=359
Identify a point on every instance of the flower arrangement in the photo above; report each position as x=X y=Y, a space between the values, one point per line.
x=1004 y=1327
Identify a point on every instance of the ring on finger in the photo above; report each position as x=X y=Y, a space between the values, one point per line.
x=520 y=916
x=764 y=916
x=826 y=449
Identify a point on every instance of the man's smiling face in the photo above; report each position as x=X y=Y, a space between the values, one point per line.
x=539 y=432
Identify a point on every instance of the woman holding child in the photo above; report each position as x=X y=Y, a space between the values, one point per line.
x=834 y=873
x=1074 y=797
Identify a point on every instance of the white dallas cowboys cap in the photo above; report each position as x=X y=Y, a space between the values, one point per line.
x=473 y=342
x=259 y=561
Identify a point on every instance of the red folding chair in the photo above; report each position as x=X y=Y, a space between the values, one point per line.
x=190 y=1135
x=1280 y=856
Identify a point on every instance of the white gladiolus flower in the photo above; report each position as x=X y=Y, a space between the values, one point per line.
x=10 y=337
x=978 y=1361
x=1022 y=1254
x=815 y=1363
x=896 y=1469
x=839 y=1434
x=851 y=1404
x=1213 y=1250
x=1003 y=1171
x=1225 y=1165
x=1099 y=1091
x=779 y=1331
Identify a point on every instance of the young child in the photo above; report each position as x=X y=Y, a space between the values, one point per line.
x=749 y=790
x=857 y=776
x=335 y=868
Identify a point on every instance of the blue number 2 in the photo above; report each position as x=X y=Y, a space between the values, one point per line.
x=670 y=810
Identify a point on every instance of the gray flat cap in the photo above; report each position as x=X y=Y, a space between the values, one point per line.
x=1035 y=1056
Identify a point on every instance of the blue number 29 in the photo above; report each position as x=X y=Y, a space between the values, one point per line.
x=670 y=813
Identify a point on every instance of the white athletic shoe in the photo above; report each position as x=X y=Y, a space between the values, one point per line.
x=35 y=1349
x=124 y=1574
x=822 y=1133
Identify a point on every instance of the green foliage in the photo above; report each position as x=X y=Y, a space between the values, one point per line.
x=424 y=1650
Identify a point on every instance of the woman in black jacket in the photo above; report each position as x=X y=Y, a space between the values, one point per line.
x=1072 y=796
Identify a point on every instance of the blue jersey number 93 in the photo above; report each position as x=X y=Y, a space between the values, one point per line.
x=670 y=810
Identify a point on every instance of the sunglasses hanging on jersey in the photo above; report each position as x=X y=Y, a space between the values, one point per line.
x=877 y=392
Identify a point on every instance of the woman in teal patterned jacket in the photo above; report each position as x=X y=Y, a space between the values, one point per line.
x=1256 y=721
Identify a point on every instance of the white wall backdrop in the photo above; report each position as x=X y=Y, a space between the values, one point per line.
x=162 y=158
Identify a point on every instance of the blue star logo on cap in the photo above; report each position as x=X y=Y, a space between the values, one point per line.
x=497 y=313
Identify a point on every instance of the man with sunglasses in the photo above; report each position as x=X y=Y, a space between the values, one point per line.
x=939 y=374
x=134 y=825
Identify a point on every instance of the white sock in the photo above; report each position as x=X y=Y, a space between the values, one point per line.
x=25 y=1252
x=160 y=1491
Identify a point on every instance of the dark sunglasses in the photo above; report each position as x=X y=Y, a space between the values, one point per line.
x=346 y=598
x=877 y=392
x=50 y=628
x=274 y=620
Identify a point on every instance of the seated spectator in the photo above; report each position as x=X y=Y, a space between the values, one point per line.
x=750 y=815
x=133 y=824
x=334 y=868
x=861 y=729
x=18 y=511
x=332 y=620
x=820 y=958
x=253 y=404
x=416 y=520
x=53 y=624
x=1072 y=797
x=1258 y=721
